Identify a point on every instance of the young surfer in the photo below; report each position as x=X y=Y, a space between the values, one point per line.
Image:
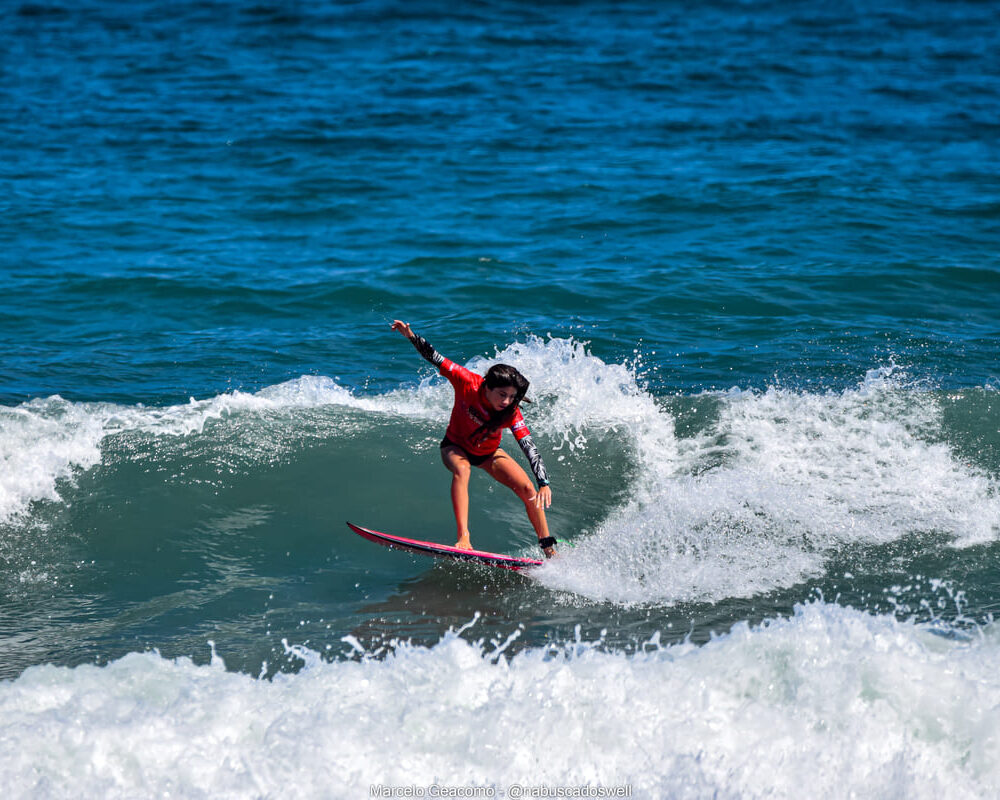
x=484 y=406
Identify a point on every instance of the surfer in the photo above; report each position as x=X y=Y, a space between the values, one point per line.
x=484 y=406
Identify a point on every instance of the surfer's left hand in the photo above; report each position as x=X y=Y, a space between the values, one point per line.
x=403 y=327
x=544 y=498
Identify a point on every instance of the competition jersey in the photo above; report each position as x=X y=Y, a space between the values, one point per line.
x=470 y=413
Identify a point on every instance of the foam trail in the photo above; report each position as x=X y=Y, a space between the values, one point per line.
x=829 y=703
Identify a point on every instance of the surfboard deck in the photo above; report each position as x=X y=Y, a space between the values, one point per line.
x=444 y=550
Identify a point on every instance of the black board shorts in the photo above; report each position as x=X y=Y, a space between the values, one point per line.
x=476 y=461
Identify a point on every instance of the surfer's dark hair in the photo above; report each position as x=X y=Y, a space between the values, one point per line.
x=500 y=375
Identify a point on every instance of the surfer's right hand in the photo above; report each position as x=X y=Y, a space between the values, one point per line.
x=403 y=328
x=543 y=498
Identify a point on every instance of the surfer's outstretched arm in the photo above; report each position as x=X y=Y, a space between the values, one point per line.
x=425 y=348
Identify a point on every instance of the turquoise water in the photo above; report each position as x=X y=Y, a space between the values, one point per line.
x=746 y=254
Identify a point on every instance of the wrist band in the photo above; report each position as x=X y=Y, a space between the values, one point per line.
x=547 y=542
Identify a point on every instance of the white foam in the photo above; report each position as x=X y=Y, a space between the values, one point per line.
x=829 y=703
x=577 y=393
x=42 y=442
x=761 y=497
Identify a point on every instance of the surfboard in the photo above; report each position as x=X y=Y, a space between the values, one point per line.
x=444 y=550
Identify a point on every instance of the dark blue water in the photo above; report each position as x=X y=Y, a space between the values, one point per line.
x=201 y=195
x=747 y=253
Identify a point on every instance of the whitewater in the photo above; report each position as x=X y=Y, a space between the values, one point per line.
x=831 y=700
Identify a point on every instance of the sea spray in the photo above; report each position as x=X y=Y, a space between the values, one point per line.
x=773 y=485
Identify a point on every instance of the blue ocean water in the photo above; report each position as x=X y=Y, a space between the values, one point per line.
x=746 y=252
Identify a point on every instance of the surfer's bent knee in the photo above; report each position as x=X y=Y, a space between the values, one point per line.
x=459 y=467
x=525 y=491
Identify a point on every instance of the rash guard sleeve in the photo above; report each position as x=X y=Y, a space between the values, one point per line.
x=534 y=459
x=426 y=349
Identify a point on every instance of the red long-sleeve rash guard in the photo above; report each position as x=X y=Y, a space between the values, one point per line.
x=470 y=413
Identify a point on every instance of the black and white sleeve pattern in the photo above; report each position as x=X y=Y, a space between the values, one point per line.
x=531 y=453
x=426 y=349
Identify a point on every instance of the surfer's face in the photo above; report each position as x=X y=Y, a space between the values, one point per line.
x=501 y=397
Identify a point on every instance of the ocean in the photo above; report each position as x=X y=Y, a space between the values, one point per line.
x=745 y=252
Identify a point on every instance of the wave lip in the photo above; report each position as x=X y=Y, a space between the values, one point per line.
x=41 y=443
x=49 y=440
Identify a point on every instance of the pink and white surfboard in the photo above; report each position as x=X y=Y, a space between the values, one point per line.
x=444 y=550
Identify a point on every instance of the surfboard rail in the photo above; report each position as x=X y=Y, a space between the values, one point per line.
x=444 y=550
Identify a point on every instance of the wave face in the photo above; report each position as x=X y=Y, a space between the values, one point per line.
x=756 y=493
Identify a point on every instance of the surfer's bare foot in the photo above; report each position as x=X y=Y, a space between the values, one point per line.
x=463 y=543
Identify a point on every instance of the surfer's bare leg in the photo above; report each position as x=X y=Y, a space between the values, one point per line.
x=508 y=472
x=461 y=470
